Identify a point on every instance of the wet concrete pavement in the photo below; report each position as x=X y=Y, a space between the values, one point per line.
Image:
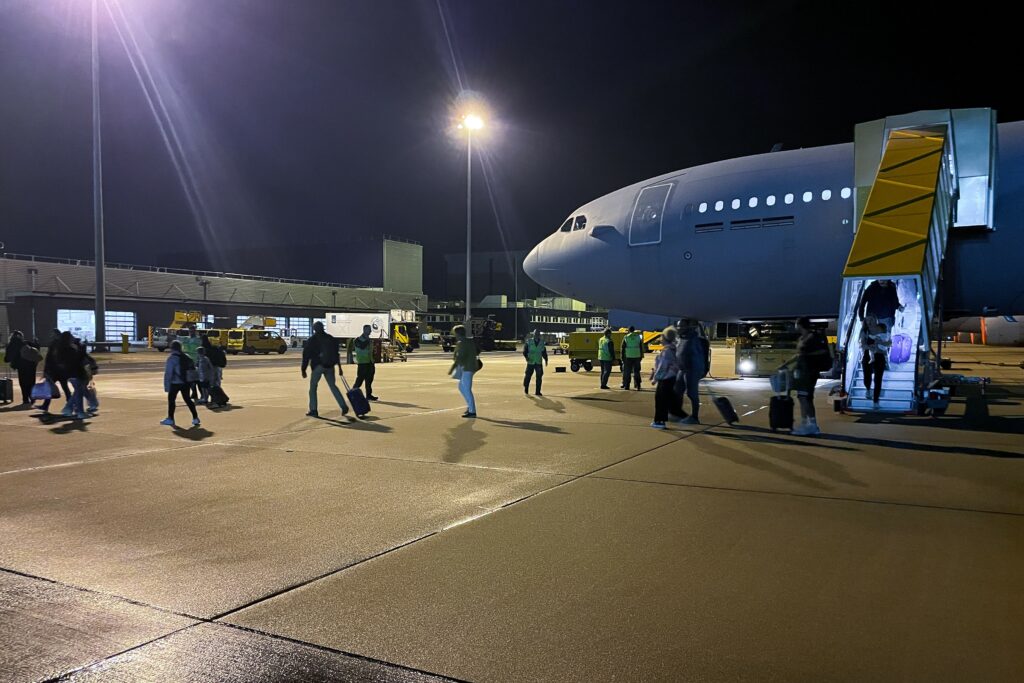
x=555 y=538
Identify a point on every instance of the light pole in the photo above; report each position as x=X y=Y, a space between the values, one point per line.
x=97 y=183
x=470 y=122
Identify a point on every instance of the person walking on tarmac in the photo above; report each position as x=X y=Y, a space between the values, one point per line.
x=606 y=356
x=534 y=352
x=694 y=359
x=632 y=354
x=362 y=349
x=321 y=353
x=811 y=359
x=465 y=364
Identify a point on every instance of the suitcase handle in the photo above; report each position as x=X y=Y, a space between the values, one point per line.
x=343 y=380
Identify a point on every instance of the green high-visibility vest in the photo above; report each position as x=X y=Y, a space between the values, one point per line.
x=535 y=352
x=363 y=355
x=634 y=347
x=605 y=349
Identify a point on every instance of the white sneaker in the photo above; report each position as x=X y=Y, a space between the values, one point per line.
x=802 y=429
x=167 y=422
x=195 y=422
x=658 y=425
x=812 y=427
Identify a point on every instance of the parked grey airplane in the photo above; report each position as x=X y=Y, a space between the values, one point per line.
x=764 y=237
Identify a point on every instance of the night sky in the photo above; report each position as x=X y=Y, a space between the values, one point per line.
x=305 y=123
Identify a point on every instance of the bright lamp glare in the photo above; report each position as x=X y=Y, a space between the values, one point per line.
x=746 y=366
x=473 y=122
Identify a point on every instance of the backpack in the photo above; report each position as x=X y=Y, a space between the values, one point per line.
x=328 y=351
x=217 y=357
x=820 y=362
x=186 y=364
x=30 y=354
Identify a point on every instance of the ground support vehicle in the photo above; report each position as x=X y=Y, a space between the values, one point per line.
x=255 y=341
x=582 y=348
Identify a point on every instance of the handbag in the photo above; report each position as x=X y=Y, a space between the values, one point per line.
x=44 y=391
x=457 y=373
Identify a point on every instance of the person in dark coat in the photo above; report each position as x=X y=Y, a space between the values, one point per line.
x=321 y=354
x=23 y=359
x=54 y=374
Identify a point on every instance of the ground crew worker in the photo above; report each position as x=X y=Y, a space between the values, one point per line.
x=362 y=350
x=534 y=352
x=606 y=356
x=632 y=354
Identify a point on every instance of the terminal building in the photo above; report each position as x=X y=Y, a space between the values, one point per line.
x=38 y=294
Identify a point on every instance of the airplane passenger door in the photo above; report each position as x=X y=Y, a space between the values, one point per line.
x=648 y=213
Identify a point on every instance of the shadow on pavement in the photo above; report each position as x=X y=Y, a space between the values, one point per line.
x=996 y=424
x=911 y=446
x=462 y=440
x=223 y=409
x=548 y=404
x=531 y=426
x=395 y=404
x=767 y=436
x=192 y=433
x=69 y=426
x=15 y=407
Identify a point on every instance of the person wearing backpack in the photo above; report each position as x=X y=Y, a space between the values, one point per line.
x=321 y=354
x=176 y=372
x=693 y=357
x=23 y=359
x=812 y=358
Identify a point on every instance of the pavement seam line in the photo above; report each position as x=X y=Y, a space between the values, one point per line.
x=345 y=653
x=93 y=591
x=842 y=499
x=443 y=529
x=68 y=674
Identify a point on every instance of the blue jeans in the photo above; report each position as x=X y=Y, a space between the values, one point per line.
x=328 y=375
x=466 y=389
x=77 y=392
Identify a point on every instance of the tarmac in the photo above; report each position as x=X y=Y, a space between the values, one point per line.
x=554 y=538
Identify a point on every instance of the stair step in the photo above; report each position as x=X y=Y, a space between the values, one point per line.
x=900 y=384
x=886 y=406
x=892 y=395
x=904 y=375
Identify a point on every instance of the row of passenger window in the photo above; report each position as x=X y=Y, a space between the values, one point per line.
x=770 y=200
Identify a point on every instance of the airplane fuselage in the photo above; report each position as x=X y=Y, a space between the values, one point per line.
x=763 y=237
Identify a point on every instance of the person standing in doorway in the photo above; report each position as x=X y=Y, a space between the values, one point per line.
x=606 y=356
x=535 y=354
x=362 y=353
x=176 y=372
x=632 y=354
x=464 y=366
x=881 y=299
x=322 y=355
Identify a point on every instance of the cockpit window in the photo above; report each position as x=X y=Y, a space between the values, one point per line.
x=581 y=223
x=645 y=227
x=566 y=226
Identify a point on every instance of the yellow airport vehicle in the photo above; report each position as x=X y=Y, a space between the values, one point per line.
x=582 y=348
x=216 y=337
x=255 y=341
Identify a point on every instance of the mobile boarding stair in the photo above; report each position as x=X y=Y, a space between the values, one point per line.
x=920 y=177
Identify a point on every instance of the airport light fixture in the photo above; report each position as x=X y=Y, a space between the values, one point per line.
x=469 y=122
x=100 y=326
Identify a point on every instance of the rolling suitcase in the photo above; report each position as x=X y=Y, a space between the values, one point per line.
x=218 y=397
x=355 y=396
x=780 y=413
x=900 y=351
x=726 y=409
x=6 y=390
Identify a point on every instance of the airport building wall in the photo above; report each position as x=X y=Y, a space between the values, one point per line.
x=37 y=292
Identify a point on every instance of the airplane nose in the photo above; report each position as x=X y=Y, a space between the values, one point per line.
x=531 y=264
